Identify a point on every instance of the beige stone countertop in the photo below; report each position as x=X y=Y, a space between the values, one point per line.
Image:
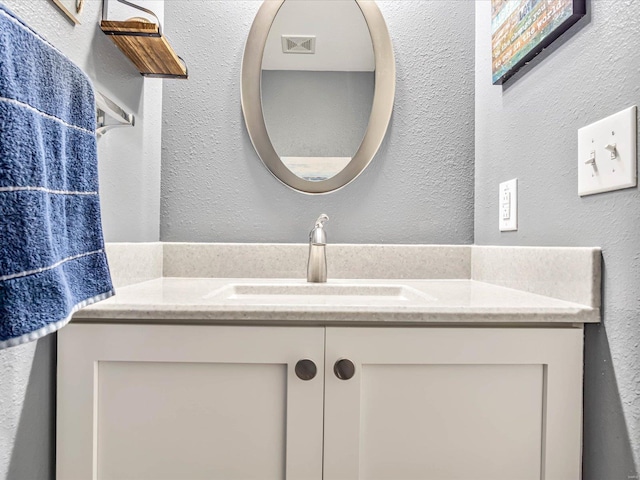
x=379 y=303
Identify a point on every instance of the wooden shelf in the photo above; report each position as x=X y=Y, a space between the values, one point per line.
x=143 y=44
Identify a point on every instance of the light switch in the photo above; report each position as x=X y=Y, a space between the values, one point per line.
x=508 y=205
x=607 y=154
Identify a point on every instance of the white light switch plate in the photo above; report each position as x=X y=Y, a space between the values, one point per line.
x=508 y=205
x=601 y=169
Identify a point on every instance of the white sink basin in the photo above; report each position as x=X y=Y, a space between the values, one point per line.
x=341 y=294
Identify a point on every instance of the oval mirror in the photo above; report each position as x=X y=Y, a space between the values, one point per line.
x=318 y=83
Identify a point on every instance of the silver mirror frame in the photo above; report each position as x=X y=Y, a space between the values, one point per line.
x=384 y=93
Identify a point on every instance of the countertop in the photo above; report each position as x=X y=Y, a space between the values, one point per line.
x=452 y=302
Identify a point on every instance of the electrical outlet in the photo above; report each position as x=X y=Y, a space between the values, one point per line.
x=508 y=205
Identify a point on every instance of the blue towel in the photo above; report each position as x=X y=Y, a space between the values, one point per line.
x=52 y=260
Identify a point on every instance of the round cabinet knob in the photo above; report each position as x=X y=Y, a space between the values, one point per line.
x=306 y=369
x=344 y=369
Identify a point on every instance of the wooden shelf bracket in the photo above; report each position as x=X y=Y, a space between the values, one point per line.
x=143 y=42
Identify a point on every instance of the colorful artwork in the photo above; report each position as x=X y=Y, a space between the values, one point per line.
x=520 y=29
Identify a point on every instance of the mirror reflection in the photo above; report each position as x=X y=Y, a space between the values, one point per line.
x=317 y=85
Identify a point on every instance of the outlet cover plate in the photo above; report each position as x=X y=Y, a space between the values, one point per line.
x=599 y=169
x=508 y=206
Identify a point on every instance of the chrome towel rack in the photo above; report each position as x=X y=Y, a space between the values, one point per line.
x=110 y=115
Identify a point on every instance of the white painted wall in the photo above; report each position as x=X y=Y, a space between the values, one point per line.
x=316 y=114
x=528 y=129
x=343 y=43
x=130 y=197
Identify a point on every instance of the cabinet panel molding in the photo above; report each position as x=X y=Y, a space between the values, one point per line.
x=255 y=362
x=514 y=394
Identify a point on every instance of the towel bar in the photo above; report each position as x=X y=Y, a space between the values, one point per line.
x=109 y=115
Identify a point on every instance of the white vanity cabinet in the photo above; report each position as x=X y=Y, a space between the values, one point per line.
x=454 y=403
x=163 y=402
x=224 y=402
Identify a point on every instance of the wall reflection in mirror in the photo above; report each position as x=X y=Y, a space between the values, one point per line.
x=317 y=85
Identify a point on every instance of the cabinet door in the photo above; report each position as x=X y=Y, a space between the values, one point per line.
x=454 y=404
x=188 y=402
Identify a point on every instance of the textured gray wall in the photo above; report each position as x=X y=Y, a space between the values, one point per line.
x=316 y=114
x=418 y=189
x=528 y=130
x=130 y=196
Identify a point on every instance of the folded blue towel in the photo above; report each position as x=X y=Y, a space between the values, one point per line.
x=52 y=260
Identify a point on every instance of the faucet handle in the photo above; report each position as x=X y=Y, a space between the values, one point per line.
x=317 y=235
x=321 y=220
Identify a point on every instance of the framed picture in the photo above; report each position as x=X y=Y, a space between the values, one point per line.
x=520 y=29
x=71 y=8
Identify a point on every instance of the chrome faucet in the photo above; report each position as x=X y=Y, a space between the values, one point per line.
x=317 y=264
